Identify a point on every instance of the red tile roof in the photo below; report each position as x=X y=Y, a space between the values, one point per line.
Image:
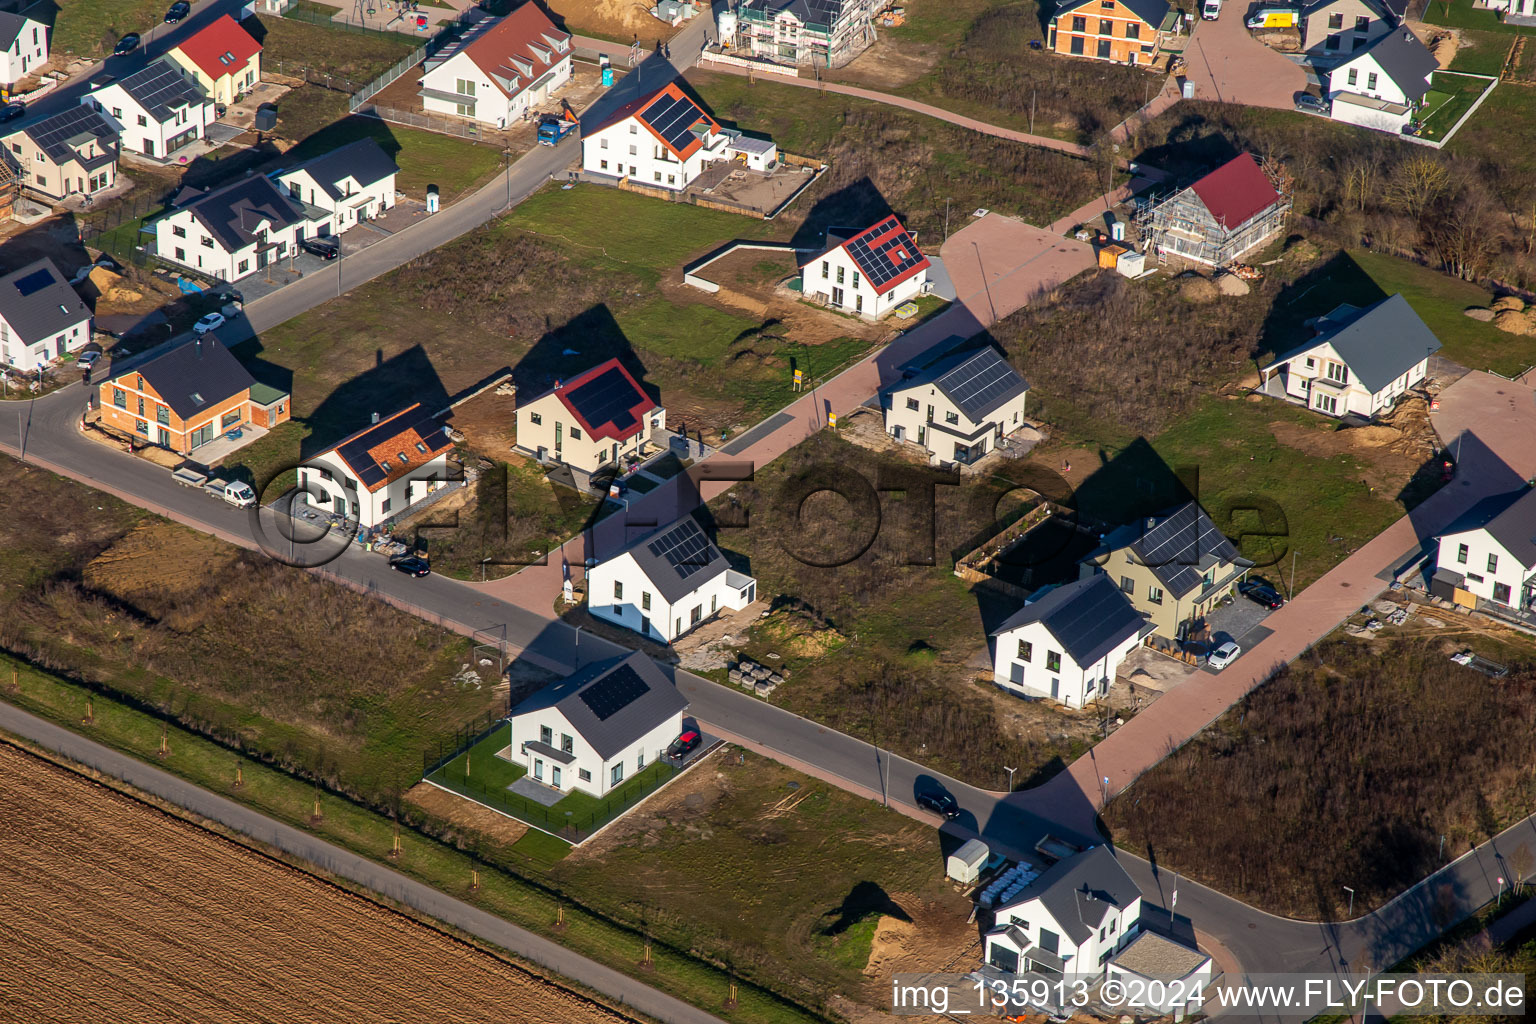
x=617 y=412
x=222 y=48
x=635 y=108
x=885 y=254
x=525 y=35
x=1235 y=191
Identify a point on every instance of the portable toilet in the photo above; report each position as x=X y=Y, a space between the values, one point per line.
x=1117 y=231
x=964 y=865
x=432 y=199
x=604 y=63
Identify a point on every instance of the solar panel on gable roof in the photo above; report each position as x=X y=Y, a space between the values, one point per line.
x=672 y=118
x=684 y=547
x=34 y=282
x=606 y=398
x=614 y=692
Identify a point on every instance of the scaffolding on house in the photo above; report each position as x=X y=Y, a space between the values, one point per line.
x=1180 y=227
x=11 y=177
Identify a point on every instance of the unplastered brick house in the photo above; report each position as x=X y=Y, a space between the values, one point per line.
x=353 y=183
x=599 y=727
x=1360 y=362
x=380 y=471
x=602 y=417
x=665 y=140
x=1068 y=642
x=41 y=317
x=958 y=409
x=1122 y=31
x=867 y=273
x=25 y=42
x=1069 y=920
x=501 y=71
x=667 y=583
x=188 y=396
x=223 y=58
x=156 y=111
x=237 y=229
x=1488 y=554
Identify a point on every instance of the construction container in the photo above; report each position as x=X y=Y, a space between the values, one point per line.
x=1110 y=255
x=1132 y=264
x=964 y=865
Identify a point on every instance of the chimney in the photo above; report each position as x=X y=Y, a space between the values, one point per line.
x=559 y=383
x=375 y=418
x=199 y=348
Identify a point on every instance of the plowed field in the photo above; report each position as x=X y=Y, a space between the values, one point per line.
x=113 y=911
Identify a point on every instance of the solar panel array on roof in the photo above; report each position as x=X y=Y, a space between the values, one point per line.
x=35 y=281
x=614 y=692
x=55 y=135
x=980 y=382
x=672 y=117
x=1179 y=547
x=605 y=398
x=892 y=256
x=684 y=547
x=160 y=89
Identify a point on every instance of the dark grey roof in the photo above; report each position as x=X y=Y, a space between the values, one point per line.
x=611 y=703
x=362 y=160
x=1087 y=617
x=1379 y=343
x=977 y=382
x=233 y=212
x=810 y=12
x=1079 y=891
x=1406 y=61
x=194 y=376
x=678 y=558
x=161 y=90
x=55 y=134
x=1178 y=546
x=1151 y=11
x=1509 y=518
x=38 y=303
x=11 y=25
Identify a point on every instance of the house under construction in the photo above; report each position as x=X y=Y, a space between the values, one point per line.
x=10 y=185
x=1219 y=218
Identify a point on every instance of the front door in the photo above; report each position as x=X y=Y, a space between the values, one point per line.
x=837 y=297
x=165 y=436
x=1016 y=674
x=899 y=433
x=1104 y=49
x=645 y=625
x=538 y=768
x=554 y=776
x=1055 y=688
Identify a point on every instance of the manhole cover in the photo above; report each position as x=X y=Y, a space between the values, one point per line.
x=792 y=785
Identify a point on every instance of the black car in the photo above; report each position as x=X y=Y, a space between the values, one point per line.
x=1310 y=104
x=11 y=111
x=127 y=44
x=1261 y=593
x=939 y=803
x=412 y=565
x=178 y=10
x=325 y=248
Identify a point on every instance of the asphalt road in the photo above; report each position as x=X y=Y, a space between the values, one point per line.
x=348 y=865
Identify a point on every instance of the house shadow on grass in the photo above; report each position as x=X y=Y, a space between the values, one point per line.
x=855 y=206
x=1194 y=148
x=863 y=899
x=584 y=341
x=1317 y=292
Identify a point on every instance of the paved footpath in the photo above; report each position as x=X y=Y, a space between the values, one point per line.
x=333 y=859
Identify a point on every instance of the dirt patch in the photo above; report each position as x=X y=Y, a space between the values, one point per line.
x=1442 y=42
x=890 y=65
x=489 y=423
x=463 y=813
x=621 y=20
x=312 y=950
x=157 y=557
x=1391 y=450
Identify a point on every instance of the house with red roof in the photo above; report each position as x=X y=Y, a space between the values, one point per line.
x=501 y=71
x=1220 y=217
x=867 y=273
x=602 y=417
x=222 y=58
x=664 y=139
x=1229 y=212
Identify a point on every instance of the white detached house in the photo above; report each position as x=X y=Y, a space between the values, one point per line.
x=666 y=583
x=1068 y=643
x=26 y=47
x=501 y=71
x=867 y=273
x=594 y=729
x=1490 y=553
x=1360 y=362
x=236 y=230
x=382 y=470
x=353 y=183
x=41 y=317
x=1070 y=920
x=156 y=111
x=1381 y=87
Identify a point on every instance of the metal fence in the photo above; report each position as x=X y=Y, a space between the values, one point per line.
x=573 y=828
x=463 y=739
x=308 y=74
x=445 y=35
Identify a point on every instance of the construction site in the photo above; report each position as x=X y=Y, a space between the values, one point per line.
x=1219 y=218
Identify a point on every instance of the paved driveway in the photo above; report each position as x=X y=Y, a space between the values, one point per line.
x=1228 y=65
x=1502 y=413
x=998 y=264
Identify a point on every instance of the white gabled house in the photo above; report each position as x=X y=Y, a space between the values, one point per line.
x=41 y=317
x=382 y=470
x=666 y=583
x=501 y=71
x=1382 y=86
x=353 y=183
x=958 y=409
x=156 y=110
x=1070 y=920
x=1360 y=362
x=25 y=42
x=237 y=229
x=598 y=727
x=1067 y=643
x=867 y=273
x=1489 y=553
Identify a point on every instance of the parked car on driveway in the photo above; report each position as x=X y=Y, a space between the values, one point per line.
x=208 y=322
x=86 y=360
x=939 y=802
x=127 y=44
x=11 y=111
x=412 y=565
x=178 y=10
x=684 y=743
x=325 y=248
x=1261 y=593
x=1223 y=656
x=1310 y=104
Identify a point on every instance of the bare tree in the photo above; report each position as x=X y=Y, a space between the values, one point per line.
x=1416 y=183
x=1465 y=234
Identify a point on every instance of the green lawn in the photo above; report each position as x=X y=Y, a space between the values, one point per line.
x=355 y=57
x=90 y=28
x=1450 y=98
x=454 y=165
x=1461 y=14
x=1496 y=136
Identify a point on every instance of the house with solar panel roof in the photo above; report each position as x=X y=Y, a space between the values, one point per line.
x=74 y=152
x=41 y=316
x=665 y=140
x=1174 y=568
x=1067 y=642
x=959 y=408
x=598 y=727
x=867 y=273
x=1221 y=217
x=600 y=418
x=666 y=583
x=380 y=471
x=156 y=110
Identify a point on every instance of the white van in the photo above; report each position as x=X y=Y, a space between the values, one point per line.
x=1210 y=10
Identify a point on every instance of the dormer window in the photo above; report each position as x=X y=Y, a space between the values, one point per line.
x=197 y=398
x=402 y=458
x=421 y=447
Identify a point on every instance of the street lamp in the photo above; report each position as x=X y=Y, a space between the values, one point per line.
x=1352 y=901
x=1010 y=772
